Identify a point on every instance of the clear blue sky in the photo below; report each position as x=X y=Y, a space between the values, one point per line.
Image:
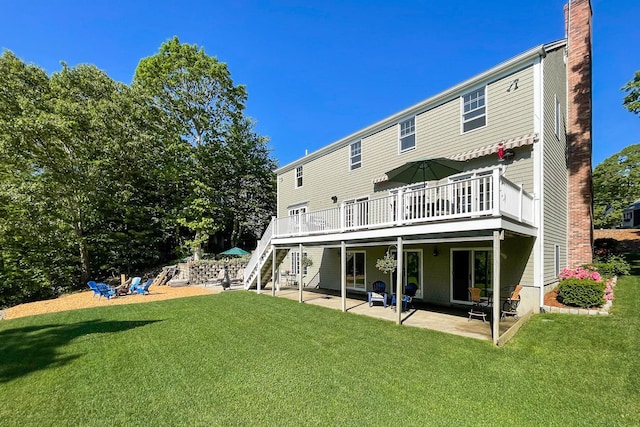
x=318 y=71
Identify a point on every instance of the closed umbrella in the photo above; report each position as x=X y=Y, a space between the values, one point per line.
x=425 y=170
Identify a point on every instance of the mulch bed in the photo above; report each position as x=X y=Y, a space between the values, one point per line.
x=87 y=299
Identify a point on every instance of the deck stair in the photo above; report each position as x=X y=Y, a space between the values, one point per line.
x=262 y=260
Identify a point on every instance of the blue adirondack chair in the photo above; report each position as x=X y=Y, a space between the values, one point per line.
x=144 y=288
x=105 y=290
x=94 y=288
x=135 y=282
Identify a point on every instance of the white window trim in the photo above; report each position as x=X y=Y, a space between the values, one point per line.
x=472 y=272
x=351 y=285
x=355 y=166
x=474 y=174
x=486 y=109
x=301 y=208
x=301 y=168
x=400 y=136
x=295 y=263
x=420 y=253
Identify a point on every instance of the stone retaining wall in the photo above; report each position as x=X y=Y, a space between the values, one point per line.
x=199 y=273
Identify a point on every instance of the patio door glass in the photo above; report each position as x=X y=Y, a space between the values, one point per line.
x=411 y=270
x=355 y=270
x=470 y=268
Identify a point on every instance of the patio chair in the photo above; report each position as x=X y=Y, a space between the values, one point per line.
x=93 y=286
x=377 y=293
x=105 y=290
x=407 y=297
x=510 y=305
x=141 y=289
x=239 y=276
x=217 y=280
x=135 y=282
x=409 y=293
x=478 y=307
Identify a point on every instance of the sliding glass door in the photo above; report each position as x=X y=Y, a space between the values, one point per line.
x=411 y=270
x=470 y=268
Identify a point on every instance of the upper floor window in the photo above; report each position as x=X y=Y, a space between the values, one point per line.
x=408 y=134
x=299 y=176
x=474 y=110
x=355 y=158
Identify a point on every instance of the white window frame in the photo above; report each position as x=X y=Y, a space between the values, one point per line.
x=296 y=210
x=352 y=285
x=355 y=155
x=295 y=262
x=407 y=129
x=405 y=260
x=477 y=112
x=295 y=213
x=356 y=212
x=299 y=176
x=472 y=278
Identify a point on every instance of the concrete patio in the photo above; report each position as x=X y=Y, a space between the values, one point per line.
x=451 y=320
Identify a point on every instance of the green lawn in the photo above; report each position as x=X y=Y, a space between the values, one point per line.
x=244 y=359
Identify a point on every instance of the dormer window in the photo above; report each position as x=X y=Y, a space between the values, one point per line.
x=408 y=135
x=474 y=110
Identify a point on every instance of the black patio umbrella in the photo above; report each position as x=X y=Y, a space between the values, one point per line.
x=425 y=170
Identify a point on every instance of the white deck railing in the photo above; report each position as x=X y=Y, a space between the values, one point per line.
x=488 y=195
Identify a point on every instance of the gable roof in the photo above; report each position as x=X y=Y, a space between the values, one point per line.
x=507 y=67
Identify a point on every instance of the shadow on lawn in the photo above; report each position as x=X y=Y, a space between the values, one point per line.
x=32 y=348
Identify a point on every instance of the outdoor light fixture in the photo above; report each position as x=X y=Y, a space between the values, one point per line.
x=334 y=199
x=435 y=251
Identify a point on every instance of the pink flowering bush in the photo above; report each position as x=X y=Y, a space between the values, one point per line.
x=583 y=287
x=588 y=273
x=608 y=292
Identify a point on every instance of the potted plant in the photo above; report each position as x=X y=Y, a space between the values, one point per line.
x=387 y=264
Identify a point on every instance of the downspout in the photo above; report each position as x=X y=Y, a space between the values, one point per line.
x=538 y=177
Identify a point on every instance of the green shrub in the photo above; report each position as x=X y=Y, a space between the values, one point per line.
x=605 y=247
x=581 y=293
x=613 y=265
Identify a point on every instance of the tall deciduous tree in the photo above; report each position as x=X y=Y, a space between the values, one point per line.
x=250 y=184
x=632 y=101
x=76 y=150
x=201 y=102
x=616 y=184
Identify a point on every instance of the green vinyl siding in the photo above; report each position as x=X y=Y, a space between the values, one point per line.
x=555 y=169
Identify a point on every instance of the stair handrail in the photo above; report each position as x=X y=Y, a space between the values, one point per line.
x=263 y=243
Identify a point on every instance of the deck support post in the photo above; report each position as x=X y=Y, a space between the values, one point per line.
x=495 y=315
x=399 y=281
x=300 y=272
x=273 y=271
x=343 y=275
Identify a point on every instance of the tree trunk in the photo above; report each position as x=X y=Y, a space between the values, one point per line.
x=85 y=267
x=197 y=247
x=235 y=233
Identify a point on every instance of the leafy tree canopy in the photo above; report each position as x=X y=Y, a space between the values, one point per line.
x=632 y=101
x=616 y=184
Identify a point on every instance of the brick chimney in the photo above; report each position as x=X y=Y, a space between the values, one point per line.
x=580 y=193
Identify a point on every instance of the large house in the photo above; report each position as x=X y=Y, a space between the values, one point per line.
x=487 y=184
